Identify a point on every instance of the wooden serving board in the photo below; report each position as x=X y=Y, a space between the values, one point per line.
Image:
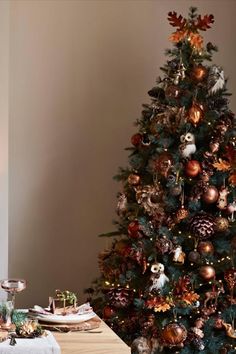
x=93 y=323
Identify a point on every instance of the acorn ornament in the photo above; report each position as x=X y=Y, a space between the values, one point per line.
x=195 y=113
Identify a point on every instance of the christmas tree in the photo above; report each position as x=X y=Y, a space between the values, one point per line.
x=168 y=279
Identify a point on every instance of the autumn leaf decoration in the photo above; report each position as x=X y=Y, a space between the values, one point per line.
x=188 y=29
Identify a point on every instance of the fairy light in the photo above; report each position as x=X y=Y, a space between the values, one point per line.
x=107 y=282
x=127 y=286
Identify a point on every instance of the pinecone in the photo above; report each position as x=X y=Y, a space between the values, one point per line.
x=119 y=297
x=201 y=225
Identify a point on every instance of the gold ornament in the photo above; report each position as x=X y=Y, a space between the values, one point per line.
x=221 y=224
x=195 y=113
x=207 y=272
x=134 y=179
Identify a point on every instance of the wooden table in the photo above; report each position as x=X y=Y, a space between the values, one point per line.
x=106 y=342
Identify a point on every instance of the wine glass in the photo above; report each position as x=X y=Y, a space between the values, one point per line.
x=13 y=286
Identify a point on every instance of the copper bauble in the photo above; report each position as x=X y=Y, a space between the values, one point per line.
x=205 y=247
x=192 y=168
x=134 y=229
x=221 y=224
x=199 y=72
x=174 y=334
x=194 y=257
x=134 y=179
x=207 y=272
x=136 y=139
x=108 y=312
x=211 y=195
x=172 y=91
x=195 y=114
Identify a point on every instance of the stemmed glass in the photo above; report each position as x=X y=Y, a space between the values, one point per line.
x=13 y=286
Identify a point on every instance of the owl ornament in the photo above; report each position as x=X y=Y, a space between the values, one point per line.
x=158 y=278
x=187 y=146
x=216 y=80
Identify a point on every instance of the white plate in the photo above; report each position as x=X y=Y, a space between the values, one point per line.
x=67 y=319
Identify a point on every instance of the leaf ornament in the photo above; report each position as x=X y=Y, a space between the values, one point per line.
x=222 y=165
x=188 y=29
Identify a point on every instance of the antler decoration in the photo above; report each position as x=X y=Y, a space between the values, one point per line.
x=188 y=29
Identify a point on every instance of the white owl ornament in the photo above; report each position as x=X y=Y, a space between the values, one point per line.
x=187 y=147
x=216 y=79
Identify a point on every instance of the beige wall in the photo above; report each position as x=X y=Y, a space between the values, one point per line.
x=4 y=77
x=79 y=72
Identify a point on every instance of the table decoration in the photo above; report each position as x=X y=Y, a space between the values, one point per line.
x=13 y=286
x=6 y=308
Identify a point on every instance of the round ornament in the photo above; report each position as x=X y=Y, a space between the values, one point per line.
x=221 y=224
x=108 y=312
x=199 y=72
x=211 y=195
x=192 y=168
x=207 y=272
x=205 y=247
x=201 y=225
x=195 y=114
x=134 y=179
x=134 y=230
x=172 y=91
x=194 y=257
x=136 y=139
x=174 y=334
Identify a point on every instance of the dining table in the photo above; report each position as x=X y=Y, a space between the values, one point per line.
x=101 y=340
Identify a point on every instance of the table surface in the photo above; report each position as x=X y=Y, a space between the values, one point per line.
x=104 y=342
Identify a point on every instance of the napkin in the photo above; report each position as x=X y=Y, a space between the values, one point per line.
x=42 y=345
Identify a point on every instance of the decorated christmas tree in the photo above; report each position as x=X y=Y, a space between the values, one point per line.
x=168 y=280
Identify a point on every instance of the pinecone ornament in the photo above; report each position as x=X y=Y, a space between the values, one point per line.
x=119 y=297
x=201 y=225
